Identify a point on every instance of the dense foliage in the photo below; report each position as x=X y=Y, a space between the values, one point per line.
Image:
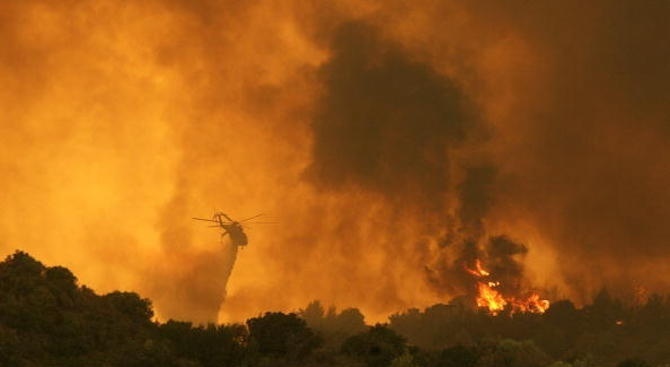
x=47 y=319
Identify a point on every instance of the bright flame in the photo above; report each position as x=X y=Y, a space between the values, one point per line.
x=490 y=298
x=478 y=271
x=494 y=301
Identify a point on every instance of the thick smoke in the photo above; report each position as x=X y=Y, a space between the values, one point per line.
x=392 y=141
x=394 y=126
x=386 y=123
x=589 y=161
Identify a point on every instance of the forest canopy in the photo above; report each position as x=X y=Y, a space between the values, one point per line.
x=48 y=319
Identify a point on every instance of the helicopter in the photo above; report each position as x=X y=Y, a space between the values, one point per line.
x=231 y=227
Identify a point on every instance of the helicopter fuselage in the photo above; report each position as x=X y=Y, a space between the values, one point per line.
x=236 y=233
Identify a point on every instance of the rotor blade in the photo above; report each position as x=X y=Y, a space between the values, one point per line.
x=255 y=216
x=206 y=220
x=262 y=223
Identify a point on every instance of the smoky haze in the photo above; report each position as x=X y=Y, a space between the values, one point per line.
x=385 y=122
x=392 y=142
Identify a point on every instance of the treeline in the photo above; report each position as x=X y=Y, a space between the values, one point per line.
x=47 y=319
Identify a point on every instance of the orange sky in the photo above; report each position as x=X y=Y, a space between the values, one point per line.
x=364 y=128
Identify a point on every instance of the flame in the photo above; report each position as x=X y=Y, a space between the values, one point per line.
x=532 y=303
x=490 y=298
x=494 y=301
x=478 y=271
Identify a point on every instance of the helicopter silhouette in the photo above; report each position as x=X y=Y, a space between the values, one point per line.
x=231 y=227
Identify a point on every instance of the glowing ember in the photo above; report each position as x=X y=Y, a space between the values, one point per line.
x=494 y=301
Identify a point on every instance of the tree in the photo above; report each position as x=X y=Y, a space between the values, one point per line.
x=276 y=334
x=211 y=345
x=377 y=347
x=130 y=305
x=334 y=327
x=512 y=353
x=405 y=360
x=458 y=356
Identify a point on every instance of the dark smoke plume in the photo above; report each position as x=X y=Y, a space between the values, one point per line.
x=393 y=125
x=387 y=123
x=591 y=159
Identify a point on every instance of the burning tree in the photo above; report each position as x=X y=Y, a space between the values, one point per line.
x=501 y=288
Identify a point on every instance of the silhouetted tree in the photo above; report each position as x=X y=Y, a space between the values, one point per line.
x=376 y=348
x=282 y=335
x=334 y=327
x=512 y=353
x=47 y=319
x=211 y=345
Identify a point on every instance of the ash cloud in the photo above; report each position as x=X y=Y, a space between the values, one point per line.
x=392 y=125
x=578 y=120
x=385 y=122
x=476 y=195
x=590 y=160
x=504 y=260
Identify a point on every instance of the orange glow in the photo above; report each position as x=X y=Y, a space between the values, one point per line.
x=490 y=298
x=531 y=304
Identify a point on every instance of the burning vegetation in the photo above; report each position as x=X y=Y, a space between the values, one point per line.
x=490 y=298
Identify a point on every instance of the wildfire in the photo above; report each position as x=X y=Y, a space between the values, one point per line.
x=478 y=271
x=494 y=301
x=533 y=303
x=490 y=298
